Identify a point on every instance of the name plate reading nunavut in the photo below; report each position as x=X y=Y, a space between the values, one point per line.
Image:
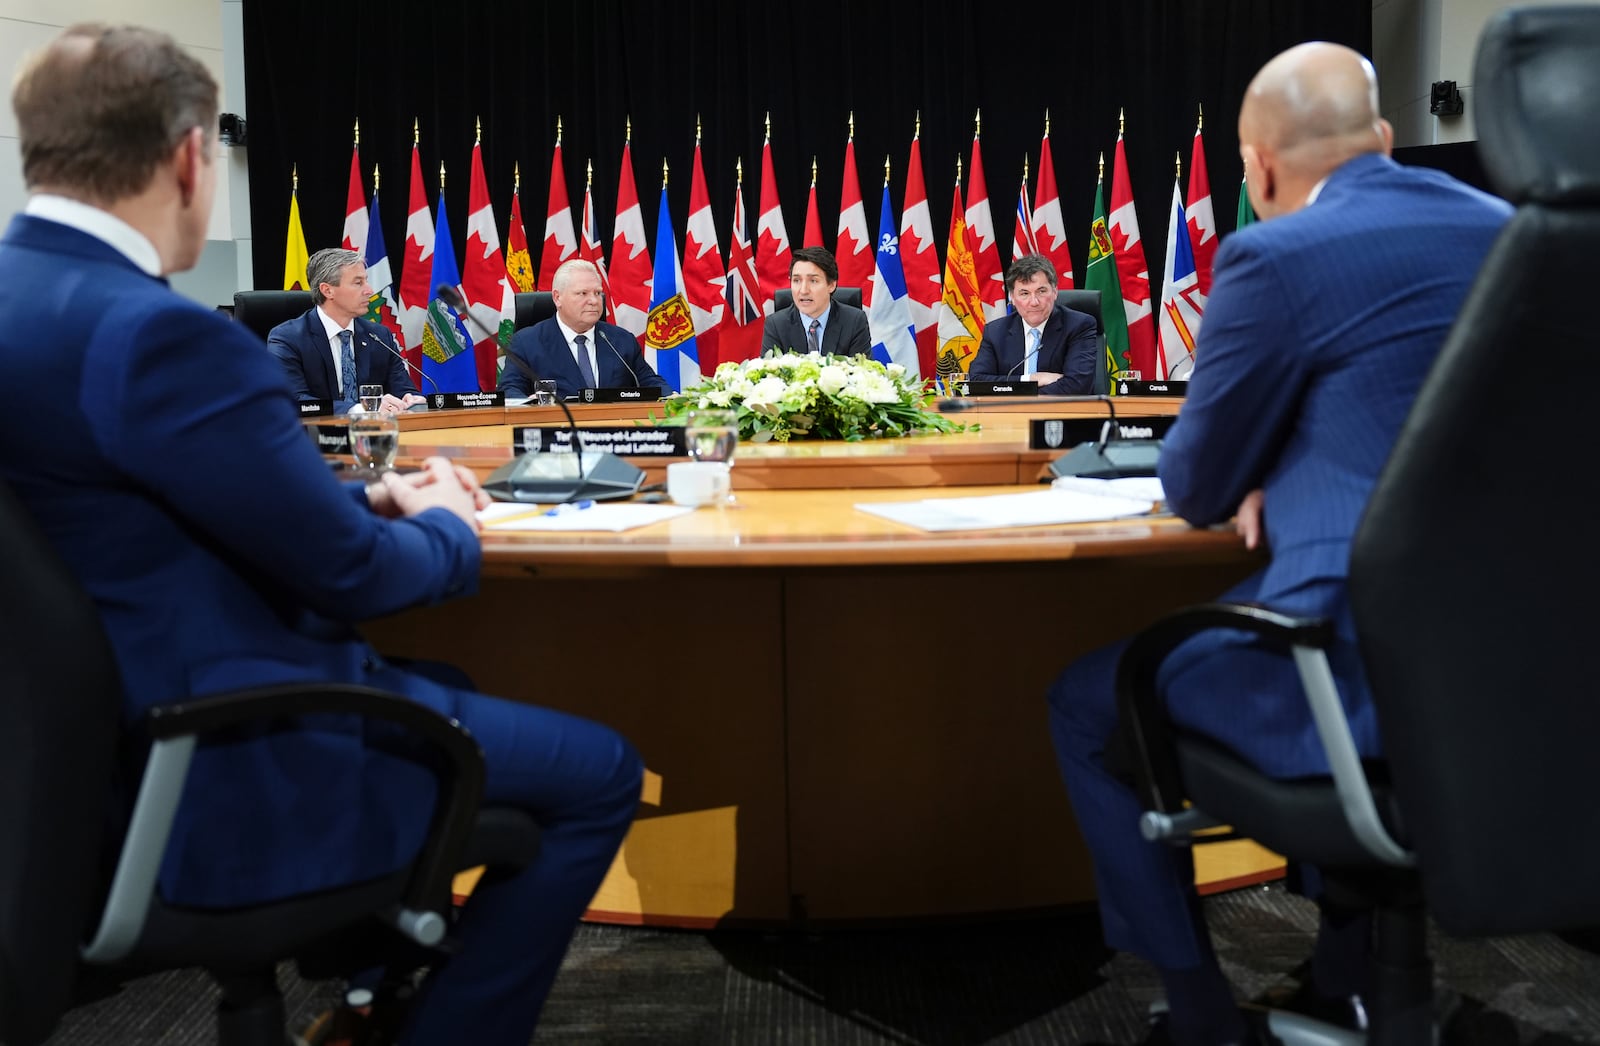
x=1152 y=388
x=315 y=408
x=996 y=388
x=1055 y=433
x=463 y=400
x=628 y=442
x=330 y=439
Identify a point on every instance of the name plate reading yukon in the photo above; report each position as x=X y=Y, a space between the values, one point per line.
x=315 y=408
x=330 y=439
x=1055 y=433
x=628 y=442
x=1152 y=388
x=996 y=388
x=622 y=395
x=463 y=400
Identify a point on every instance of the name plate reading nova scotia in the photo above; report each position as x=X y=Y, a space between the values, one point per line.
x=464 y=400
x=628 y=442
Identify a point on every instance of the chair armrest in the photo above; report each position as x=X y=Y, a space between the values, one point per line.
x=176 y=729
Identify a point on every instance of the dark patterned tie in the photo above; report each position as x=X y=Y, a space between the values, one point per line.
x=811 y=336
x=583 y=363
x=347 y=366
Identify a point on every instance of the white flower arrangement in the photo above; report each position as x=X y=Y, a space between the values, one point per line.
x=787 y=395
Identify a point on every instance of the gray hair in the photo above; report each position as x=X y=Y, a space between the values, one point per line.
x=1026 y=268
x=570 y=268
x=327 y=266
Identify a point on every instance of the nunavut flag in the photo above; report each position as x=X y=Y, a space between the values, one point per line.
x=669 y=343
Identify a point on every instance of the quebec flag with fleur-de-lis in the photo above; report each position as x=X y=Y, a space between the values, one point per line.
x=888 y=310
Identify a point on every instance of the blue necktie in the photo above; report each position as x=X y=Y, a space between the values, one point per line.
x=583 y=363
x=347 y=366
x=1033 y=350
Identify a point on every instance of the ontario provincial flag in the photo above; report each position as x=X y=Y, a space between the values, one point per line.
x=894 y=339
x=669 y=329
x=447 y=356
x=1180 y=299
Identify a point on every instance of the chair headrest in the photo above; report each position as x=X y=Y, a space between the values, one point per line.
x=1536 y=83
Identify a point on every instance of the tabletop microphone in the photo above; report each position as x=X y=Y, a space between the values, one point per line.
x=1110 y=456
x=409 y=365
x=618 y=355
x=1022 y=361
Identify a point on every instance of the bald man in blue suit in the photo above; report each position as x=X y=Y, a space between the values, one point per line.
x=1322 y=322
x=221 y=553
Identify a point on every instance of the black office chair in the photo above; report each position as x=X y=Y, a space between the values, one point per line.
x=532 y=307
x=1483 y=690
x=783 y=298
x=263 y=310
x=1090 y=303
x=67 y=916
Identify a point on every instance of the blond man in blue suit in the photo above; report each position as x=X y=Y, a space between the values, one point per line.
x=1322 y=322
x=221 y=552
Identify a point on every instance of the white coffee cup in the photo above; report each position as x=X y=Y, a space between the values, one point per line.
x=697 y=483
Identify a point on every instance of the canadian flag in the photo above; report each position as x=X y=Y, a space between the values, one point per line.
x=631 y=272
x=705 y=284
x=560 y=242
x=1133 y=272
x=484 y=283
x=1202 y=221
x=854 y=253
x=980 y=239
x=919 y=259
x=772 y=240
x=1049 y=229
x=812 y=236
x=416 y=273
x=355 y=207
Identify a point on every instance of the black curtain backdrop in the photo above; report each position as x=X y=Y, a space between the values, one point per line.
x=311 y=70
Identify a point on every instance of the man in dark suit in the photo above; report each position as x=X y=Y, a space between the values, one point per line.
x=1041 y=340
x=815 y=322
x=222 y=554
x=317 y=349
x=1322 y=322
x=574 y=347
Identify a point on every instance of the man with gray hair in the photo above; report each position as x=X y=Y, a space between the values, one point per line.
x=1040 y=340
x=333 y=349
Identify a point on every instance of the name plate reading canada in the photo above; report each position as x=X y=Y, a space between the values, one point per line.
x=996 y=388
x=464 y=400
x=1152 y=388
x=331 y=439
x=1055 y=433
x=315 y=408
x=629 y=442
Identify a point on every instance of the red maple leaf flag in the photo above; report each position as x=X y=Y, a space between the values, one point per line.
x=1049 y=228
x=483 y=279
x=1202 y=220
x=812 y=236
x=705 y=284
x=772 y=239
x=416 y=273
x=741 y=337
x=631 y=272
x=560 y=242
x=855 y=249
x=355 y=207
x=1133 y=272
x=919 y=258
x=981 y=239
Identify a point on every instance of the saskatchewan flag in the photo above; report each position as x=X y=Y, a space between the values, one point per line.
x=1101 y=275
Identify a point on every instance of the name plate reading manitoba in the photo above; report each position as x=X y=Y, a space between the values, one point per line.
x=330 y=439
x=630 y=442
x=315 y=408
x=997 y=388
x=1055 y=433
x=463 y=400
x=1152 y=388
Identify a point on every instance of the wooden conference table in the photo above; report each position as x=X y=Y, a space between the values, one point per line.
x=843 y=717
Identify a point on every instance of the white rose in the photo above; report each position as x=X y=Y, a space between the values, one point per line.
x=764 y=395
x=832 y=380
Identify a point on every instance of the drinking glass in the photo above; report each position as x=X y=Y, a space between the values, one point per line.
x=544 y=392
x=371 y=397
x=713 y=435
x=374 y=441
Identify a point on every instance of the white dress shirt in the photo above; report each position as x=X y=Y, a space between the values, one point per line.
x=590 y=338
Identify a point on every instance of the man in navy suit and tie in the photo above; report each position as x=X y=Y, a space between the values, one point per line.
x=815 y=322
x=1322 y=322
x=574 y=348
x=1041 y=340
x=332 y=350
x=222 y=554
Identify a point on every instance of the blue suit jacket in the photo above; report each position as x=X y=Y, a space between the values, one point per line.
x=302 y=346
x=1320 y=327
x=1069 y=346
x=180 y=487
x=544 y=349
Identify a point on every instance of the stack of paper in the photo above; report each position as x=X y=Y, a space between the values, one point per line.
x=1034 y=509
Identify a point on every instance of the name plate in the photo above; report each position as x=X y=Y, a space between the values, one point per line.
x=463 y=400
x=1055 y=433
x=1152 y=388
x=330 y=439
x=629 y=442
x=622 y=395
x=996 y=388
x=315 y=408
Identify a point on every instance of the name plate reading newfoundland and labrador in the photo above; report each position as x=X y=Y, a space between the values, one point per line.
x=331 y=439
x=463 y=400
x=628 y=442
x=996 y=388
x=1055 y=433
x=1152 y=388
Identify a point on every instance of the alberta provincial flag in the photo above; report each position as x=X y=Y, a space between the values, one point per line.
x=669 y=329
x=1181 y=301
x=894 y=340
x=447 y=356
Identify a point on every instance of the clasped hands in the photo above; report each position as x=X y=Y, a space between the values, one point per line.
x=393 y=404
x=438 y=484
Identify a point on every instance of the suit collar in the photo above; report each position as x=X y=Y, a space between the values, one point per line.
x=102 y=225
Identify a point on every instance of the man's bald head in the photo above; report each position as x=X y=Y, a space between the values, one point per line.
x=1306 y=112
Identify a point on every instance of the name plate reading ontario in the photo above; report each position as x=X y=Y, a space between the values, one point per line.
x=330 y=439
x=463 y=400
x=629 y=442
x=1152 y=388
x=1055 y=433
x=616 y=395
x=996 y=388
x=315 y=408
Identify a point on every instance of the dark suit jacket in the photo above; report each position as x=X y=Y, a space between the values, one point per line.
x=1068 y=346
x=221 y=553
x=844 y=334
x=302 y=346
x=544 y=349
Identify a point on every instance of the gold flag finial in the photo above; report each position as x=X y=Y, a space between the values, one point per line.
x=1178 y=164
x=558 y=129
x=441 y=176
x=886 y=171
x=516 y=178
x=1047 y=123
x=977 y=122
x=663 y=172
x=852 y=125
x=628 y=138
x=1199 y=118
x=697 y=128
x=294 y=178
x=768 y=125
x=477 y=130
x=374 y=179
x=589 y=175
x=958 y=170
x=813 y=172
x=416 y=132
x=1101 y=176
x=1024 y=170
x=918 y=132
x=358 y=130
x=738 y=170
x=1120 y=122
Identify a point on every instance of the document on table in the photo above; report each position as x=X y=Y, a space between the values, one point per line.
x=1034 y=509
x=615 y=518
x=1142 y=488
